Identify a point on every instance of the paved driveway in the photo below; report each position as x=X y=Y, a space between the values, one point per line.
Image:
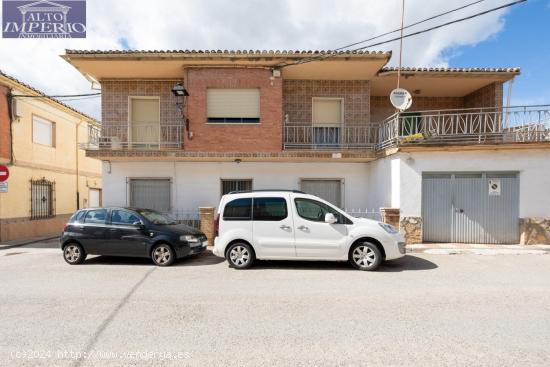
x=465 y=310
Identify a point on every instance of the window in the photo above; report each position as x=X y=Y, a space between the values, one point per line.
x=42 y=199
x=145 y=121
x=327 y=111
x=235 y=185
x=315 y=211
x=269 y=209
x=150 y=194
x=43 y=131
x=77 y=217
x=327 y=189
x=239 y=106
x=238 y=209
x=123 y=217
x=156 y=217
x=96 y=216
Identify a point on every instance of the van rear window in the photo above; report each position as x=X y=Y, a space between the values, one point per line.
x=238 y=209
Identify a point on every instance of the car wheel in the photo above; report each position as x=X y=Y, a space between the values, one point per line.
x=240 y=255
x=74 y=254
x=163 y=255
x=365 y=256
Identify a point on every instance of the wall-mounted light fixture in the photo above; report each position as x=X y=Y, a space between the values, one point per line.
x=179 y=90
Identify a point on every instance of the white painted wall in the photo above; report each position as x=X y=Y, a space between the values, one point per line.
x=383 y=183
x=196 y=184
x=533 y=167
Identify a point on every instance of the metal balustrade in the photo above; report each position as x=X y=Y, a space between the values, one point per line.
x=523 y=124
x=137 y=136
x=300 y=136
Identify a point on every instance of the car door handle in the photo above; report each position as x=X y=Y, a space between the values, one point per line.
x=303 y=228
x=285 y=227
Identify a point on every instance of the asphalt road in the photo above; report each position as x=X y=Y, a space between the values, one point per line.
x=463 y=310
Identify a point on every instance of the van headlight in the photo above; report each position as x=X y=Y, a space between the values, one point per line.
x=189 y=238
x=388 y=228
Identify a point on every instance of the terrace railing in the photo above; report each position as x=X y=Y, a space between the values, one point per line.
x=137 y=136
x=525 y=124
x=303 y=136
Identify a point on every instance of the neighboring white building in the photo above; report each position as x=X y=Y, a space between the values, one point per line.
x=458 y=165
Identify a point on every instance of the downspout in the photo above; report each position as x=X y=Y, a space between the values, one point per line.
x=10 y=100
x=77 y=174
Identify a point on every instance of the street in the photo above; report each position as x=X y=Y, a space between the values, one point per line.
x=466 y=310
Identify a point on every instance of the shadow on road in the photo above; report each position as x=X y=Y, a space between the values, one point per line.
x=407 y=263
x=207 y=258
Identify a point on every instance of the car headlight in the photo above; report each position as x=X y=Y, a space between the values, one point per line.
x=189 y=238
x=388 y=228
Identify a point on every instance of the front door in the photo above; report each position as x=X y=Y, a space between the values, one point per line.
x=272 y=227
x=314 y=238
x=123 y=237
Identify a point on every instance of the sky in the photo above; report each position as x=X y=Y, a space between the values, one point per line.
x=514 y=37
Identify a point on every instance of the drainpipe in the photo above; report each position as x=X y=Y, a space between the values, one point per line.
x=77 y=174
x=10 y=100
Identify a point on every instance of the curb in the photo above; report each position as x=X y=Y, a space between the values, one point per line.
x=7 y=247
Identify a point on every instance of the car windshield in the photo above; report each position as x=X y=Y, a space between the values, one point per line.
x=156 y=217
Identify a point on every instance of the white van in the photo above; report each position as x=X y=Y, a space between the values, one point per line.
x=292 y=225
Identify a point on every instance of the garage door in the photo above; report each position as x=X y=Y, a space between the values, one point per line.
x=330 y=190
x=150 y=194
x=471 y=207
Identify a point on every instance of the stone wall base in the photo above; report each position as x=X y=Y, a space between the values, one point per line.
x=411 y=229
x=12 y=229
x=390 y=216
x=535 y=231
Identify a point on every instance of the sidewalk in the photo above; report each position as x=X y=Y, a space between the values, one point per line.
x=17 y=243
x=477 y=249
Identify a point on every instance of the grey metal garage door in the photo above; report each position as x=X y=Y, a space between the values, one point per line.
x=328 y=189
x=150 y=194
x=471 y=207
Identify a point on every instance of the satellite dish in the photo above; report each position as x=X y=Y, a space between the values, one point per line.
x=401 y=99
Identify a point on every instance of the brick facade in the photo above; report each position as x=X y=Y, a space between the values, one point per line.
x=488 y=96
x=5 y=136
x=298 y=95
x=382 y=108
x=115 y=98
x=265 y=136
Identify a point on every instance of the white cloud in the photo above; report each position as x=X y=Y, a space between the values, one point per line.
x=245 y=24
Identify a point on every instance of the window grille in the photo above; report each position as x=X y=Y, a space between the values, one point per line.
x=42 y=199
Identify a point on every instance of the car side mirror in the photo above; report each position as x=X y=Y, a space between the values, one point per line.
x=330 y=218
x=138 y=225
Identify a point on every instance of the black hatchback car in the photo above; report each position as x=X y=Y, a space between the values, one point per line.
x=129 y=232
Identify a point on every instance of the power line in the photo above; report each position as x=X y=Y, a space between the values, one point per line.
x=333 y=54
x=57 y=96
x=410 y=25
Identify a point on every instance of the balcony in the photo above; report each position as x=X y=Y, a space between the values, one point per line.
x=301 y=136
x=481 y=126
x=136 y=136
x=504 y=125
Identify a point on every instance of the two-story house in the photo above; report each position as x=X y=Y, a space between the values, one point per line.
x=50 y=177
x=181 y=128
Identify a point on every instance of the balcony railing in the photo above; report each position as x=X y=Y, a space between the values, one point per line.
x=300 y=136
x=524 y=124
x=137 y=136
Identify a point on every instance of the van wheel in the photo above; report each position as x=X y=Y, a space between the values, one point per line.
x=240 y=255
x=74 y=254
x=365 y=256
x=163 y=255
